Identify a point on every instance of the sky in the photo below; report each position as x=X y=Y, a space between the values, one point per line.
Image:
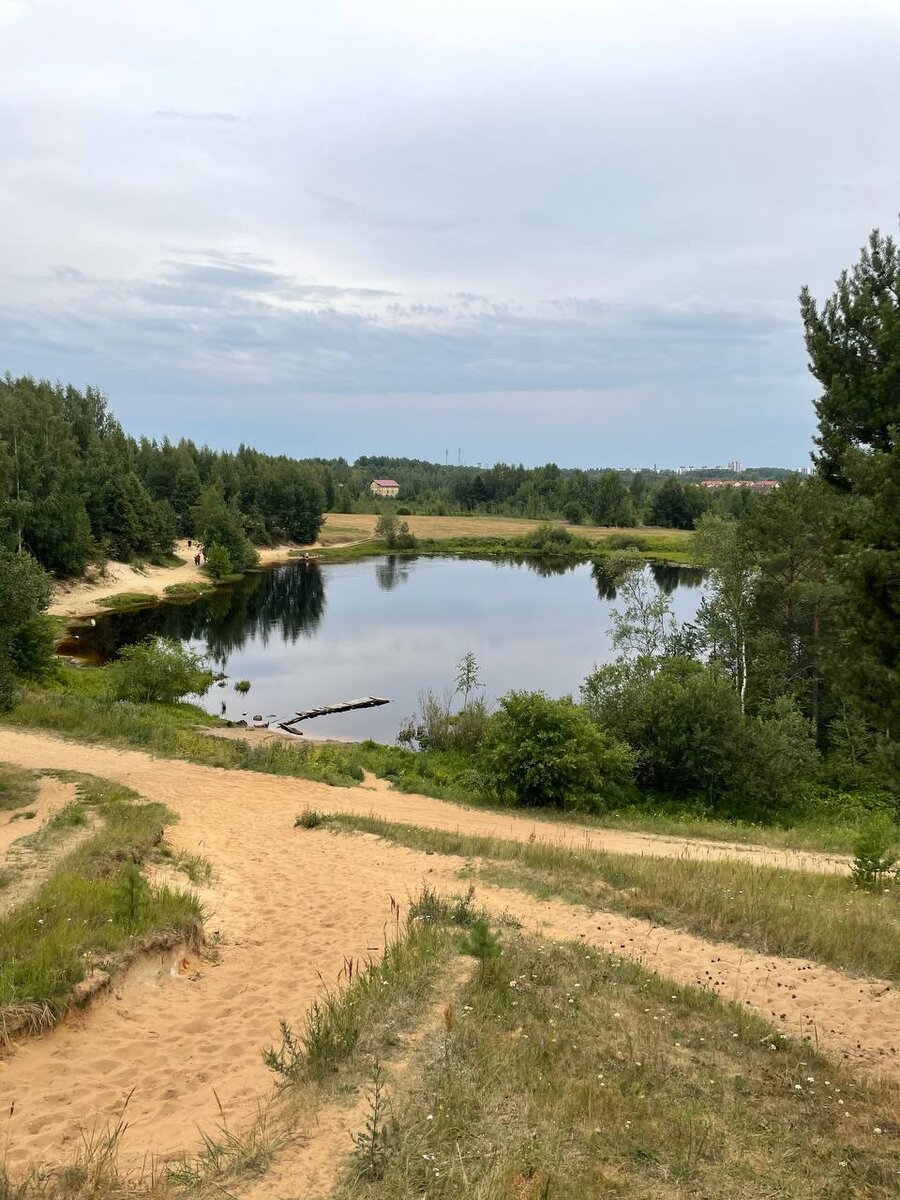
x=488 y=229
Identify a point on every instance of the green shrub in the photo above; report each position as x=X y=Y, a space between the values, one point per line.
x=874 y=854
x=436 y=727
x=310 y=818
x=31 y=647
x=683 y=719
x=158 y=670
x=626 y=541
x=544 y=752
x=218 y=562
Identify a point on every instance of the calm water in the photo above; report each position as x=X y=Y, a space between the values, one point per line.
x=307 y=635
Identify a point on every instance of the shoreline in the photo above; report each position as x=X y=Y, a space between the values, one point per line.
x=84 y=597
x=347 y=538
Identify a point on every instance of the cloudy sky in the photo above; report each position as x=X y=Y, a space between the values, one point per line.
x=518 y=229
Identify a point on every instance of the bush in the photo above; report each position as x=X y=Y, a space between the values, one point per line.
x=31 y=647
x=549 y=538
x=682 y=719
x=218 y=562
x=543 y=752
x=873 y=852
x=684 y=722
x=782 y=756
x=395 y=534
x=626 y=541
x=158 y=670
x=436 y=727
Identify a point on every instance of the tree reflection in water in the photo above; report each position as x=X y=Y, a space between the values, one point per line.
x=287 y=601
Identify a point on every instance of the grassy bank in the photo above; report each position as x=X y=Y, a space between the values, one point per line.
x=563 y=1073
x=823 y=917
x=95 y=905
x=75 y=705
x=649 y=547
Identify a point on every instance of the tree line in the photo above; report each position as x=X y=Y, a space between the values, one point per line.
x=74 y=487
x=600 y=497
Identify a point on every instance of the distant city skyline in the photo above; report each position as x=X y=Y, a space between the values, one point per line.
x=570 y=232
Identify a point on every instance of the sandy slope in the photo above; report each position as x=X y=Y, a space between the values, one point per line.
x=81 y=597
x=288 y=906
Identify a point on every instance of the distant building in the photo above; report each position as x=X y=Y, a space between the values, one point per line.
x=736 y=465
x=385 y=487
x=763 y=486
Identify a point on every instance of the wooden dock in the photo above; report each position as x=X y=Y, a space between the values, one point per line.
x=327 y=709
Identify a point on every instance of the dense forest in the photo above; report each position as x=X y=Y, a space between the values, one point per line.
x=601 y=497
x=74 y=487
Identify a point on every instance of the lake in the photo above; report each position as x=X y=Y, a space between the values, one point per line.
x=306 y=634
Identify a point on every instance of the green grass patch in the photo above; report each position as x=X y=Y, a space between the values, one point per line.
x=123 y=600
x=77 y=706
x=567 y=1074
x=186 y=591
x=774 y=911
x=18 y=788
x=95 y=905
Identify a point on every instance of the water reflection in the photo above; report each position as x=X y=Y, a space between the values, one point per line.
x=287 y=602
x=668 y=577
x=307 y=635
x=392 y=571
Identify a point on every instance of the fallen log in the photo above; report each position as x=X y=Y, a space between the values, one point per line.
x=327 y=709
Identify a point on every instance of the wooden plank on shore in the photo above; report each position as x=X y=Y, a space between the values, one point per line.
x=327 y=709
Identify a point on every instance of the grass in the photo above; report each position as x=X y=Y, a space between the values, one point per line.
x=76 y=705
x=18 y=788
x=774 y=911
x=94 y=906
x=124 y=600
x=186 y=591
x=563 y=1073
x=495 y=537
x=199 y=870
x=328 y=1055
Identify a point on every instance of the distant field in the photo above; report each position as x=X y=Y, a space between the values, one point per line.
x=350 y=526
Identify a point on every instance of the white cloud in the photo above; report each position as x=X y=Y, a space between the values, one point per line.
x=498 y=196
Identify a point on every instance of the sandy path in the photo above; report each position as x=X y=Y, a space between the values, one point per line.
x=315 y=1157
x=81 y=598
x=290 y=904
x=174 y=782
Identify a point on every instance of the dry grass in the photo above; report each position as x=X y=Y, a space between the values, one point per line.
x=775 y=911
x=340 y=527
x=564 y=1073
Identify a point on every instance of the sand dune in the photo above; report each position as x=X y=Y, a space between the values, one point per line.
x=288 y=904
